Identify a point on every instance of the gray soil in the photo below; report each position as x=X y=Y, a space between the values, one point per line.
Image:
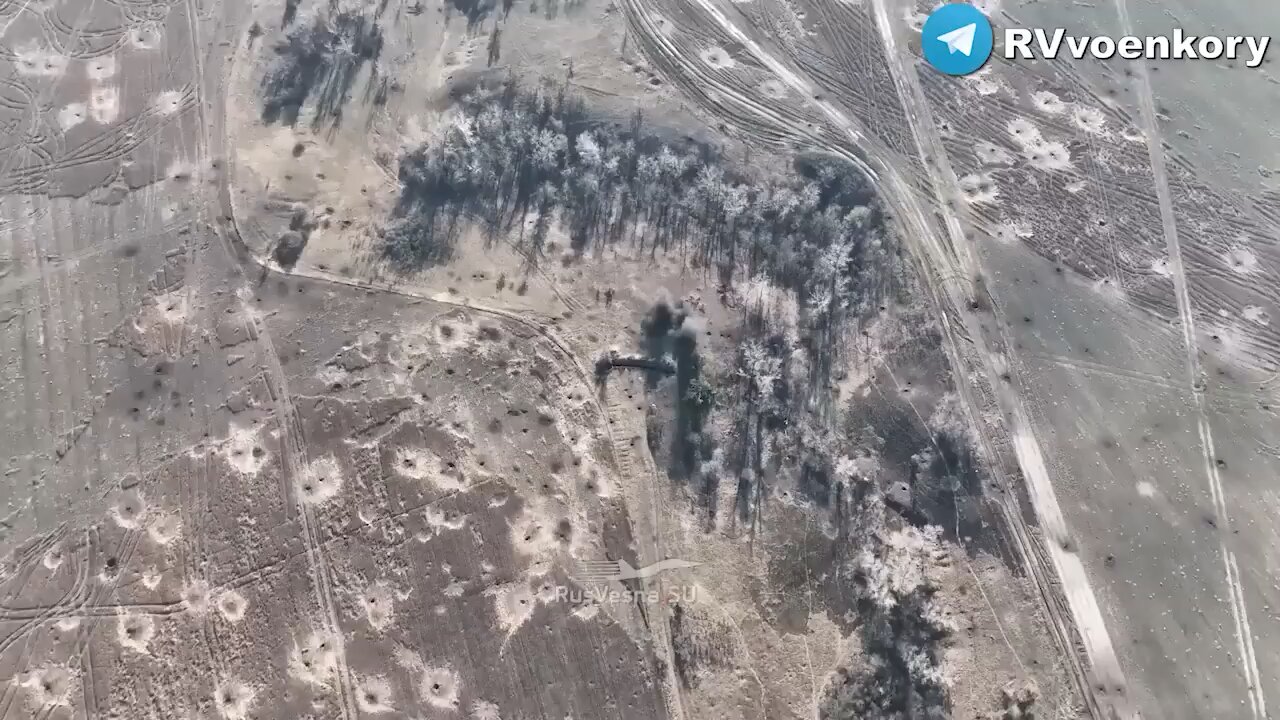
x=256 y=467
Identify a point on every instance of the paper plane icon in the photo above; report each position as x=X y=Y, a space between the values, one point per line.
x=960 y=40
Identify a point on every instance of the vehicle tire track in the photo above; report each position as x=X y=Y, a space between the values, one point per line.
x=941 y=261
x=24 y=631
x=293 y=451
x=239 y=250
x=1186 y=316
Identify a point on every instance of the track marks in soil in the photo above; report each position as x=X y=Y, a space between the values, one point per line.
x=947 y=254
x=1187 y=319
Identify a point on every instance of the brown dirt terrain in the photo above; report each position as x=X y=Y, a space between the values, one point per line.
x=244 y=482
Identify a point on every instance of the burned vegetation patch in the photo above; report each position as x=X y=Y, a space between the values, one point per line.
x=318 y=62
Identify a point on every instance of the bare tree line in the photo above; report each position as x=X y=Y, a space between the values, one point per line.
x=520 y=163
x=318 y=62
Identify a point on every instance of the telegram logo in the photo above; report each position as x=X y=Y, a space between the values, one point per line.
x=957 y=39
